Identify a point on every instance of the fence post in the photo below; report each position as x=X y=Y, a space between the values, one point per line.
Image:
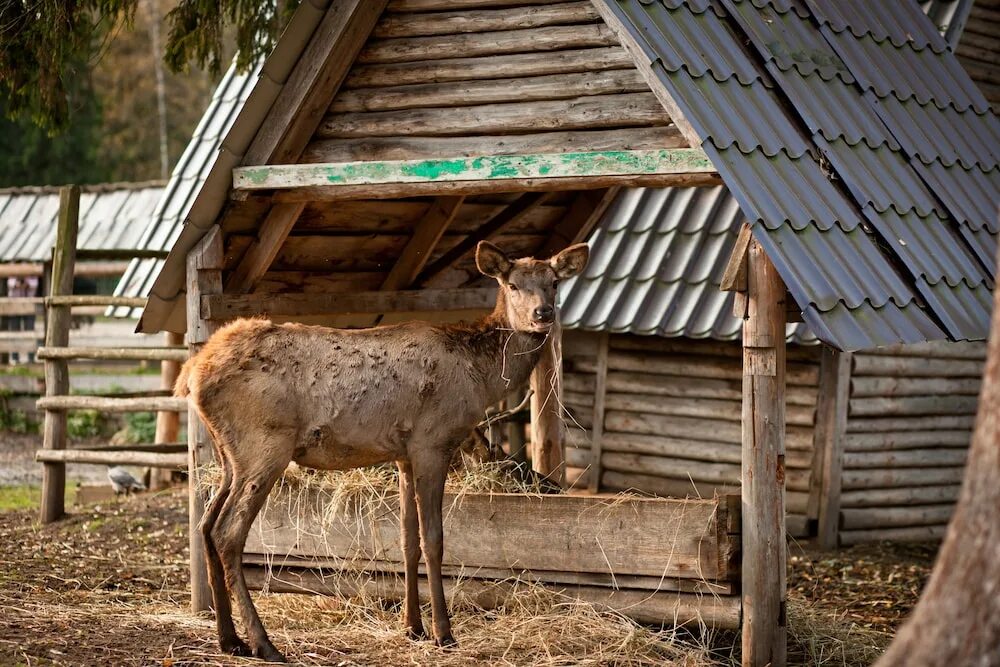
x=204 y=276
x=548 y=456
x=167 y=422
x=57 y=335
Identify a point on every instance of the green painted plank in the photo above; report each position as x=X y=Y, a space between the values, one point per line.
x=488 y=168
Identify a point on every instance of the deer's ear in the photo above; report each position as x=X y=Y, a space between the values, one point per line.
x=491 y=260
x=570 y=261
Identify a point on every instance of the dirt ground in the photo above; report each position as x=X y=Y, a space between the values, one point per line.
x=108 y=586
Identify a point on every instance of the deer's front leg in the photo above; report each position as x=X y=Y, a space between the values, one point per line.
x=410 y=537
x=429 y=471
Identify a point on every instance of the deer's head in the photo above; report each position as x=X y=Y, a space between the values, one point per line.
x=528 y=286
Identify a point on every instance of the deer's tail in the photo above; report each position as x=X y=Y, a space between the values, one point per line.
x=181 y=388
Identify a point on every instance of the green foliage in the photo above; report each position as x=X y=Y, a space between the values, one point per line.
x=140 y=428
x=16 y=421
x=84 y=424
x=19 y=497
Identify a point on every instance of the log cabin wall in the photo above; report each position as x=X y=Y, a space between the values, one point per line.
x=672 y=417
x=910 y=418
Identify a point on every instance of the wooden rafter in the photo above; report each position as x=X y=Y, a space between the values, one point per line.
x=426 y=235
x=734 y=278
x=273 y=232
x=508 y=216
x=583 y=215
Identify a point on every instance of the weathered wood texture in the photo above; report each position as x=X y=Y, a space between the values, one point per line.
x=672 y=415
x=57 y=324
x=168 y=422
x=834 y=392
x=132 y=458
x=909 y=425
x=548 y=432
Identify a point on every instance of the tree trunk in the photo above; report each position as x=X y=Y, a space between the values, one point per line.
x=957 y=620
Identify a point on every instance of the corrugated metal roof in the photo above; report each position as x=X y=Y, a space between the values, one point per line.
x=657 y=259
x=912 y=270
x=112 y=216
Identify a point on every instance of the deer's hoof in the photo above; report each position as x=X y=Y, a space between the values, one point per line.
x=416 y=633
x=235 y=646
x=268 y=653
x=445 y=641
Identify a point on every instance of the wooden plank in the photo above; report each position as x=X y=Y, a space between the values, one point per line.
x=203 y=278
x=871 y=364
x=489 y=91
x=937 y=350
x=664 y=608
x=451 y=69
x=660 y=445
x=734 y=278
x=913 y=405
x=579 y=113
x=168 y=423
x=885 y=387
x=424 y=148
x=471 y=21
x=909 y=458
x=831 y=427
x=905 y=440
x=314 y=81
x=917 y=495
x=75 y=300
x=597 y=434
x=584 y=213
x=661 y=486
x=763 y=470
x=57 y=324
x=706 y=408
x=150 y=459
x=687 y=347
x=425 y=237
x=491 y=167
x=550 y=38
x=108 y=404
x=897 y=425
x=694 y=428
x=509 y=216
x=548 y=432
x=911 y=534
x=117 y=353
x=691 y=366
x=882 y=478
x=584 y=534
x=262 y=251
x=726 y=474
x=221 y=307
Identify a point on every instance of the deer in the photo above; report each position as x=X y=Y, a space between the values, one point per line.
x=335 y=399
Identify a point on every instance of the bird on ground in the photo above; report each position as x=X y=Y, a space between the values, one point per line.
x=122 y=481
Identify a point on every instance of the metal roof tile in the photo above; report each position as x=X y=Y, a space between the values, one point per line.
x=964 y=311
x=970 y=195
x=924 y=75
x=866 y=327
x=983 y=243
x=906 y=24
x=781 y=191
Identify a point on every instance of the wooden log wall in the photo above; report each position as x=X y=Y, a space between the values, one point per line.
x=910 y=419
x=672 y=414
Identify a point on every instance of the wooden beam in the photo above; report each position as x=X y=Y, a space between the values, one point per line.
x=763 y=465
x=548 y=431
x=734 y=278
x=21 y=269
x=830 y=436
x=597 y=432
x=495 y=225
x=219 y=307
x=134 y=458
x=57 y=325
x=273 y=232
x=485 y=168
x=584 y=213
x=312 y=85
x=426 y=235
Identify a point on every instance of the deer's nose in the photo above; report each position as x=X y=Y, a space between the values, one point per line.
x=544 y=314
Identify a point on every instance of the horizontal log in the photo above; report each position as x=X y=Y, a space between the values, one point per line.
x=917 y=495
x=896 y=517
x=490 y=91
x=711 y=348
x=73 y=300
x=709 y=409
x=894 y=386
x=107 y=404
x=578 y=113
x=896 y=425
x=556 y=38
x=604 y=580
x=796 y=437
x=667 y=608
x=907 y=458
x=656 y=445
x=488 y=67
x=402 y=6
x=913 y=405
x=227 y=306
x=661 y=486
x=471 y=21
x=871 y=364
x=904 y=440
x=121 y=353
x=698 y=367
x=661 y=466
x=880 y=478
x=501 y=531
x=134 y=458
x=337 y=193
x=937 y=349
x=912 y=534
x=425 y=148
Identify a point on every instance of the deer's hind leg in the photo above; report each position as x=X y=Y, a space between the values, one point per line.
x=410 y=537
x=430 y=468
x=253 y=478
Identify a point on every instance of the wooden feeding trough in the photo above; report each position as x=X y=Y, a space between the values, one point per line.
x=656 y=560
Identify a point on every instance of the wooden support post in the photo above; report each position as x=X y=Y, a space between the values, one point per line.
x=763 y=490
x=515 y=433
x=204 y=276
x=547 y=429
x=167 y=422
x=597 y=434
x=831 y=427
x=57 y=334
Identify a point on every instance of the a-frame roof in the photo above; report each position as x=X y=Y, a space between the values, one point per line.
x=910 y=260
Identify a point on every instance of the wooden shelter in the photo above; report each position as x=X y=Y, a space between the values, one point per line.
x=382 y=141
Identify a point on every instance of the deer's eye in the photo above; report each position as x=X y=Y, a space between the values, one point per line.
x=513 y=287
